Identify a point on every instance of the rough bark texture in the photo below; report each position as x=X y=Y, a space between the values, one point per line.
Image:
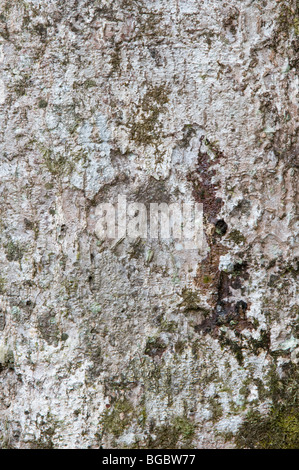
x=141 y=344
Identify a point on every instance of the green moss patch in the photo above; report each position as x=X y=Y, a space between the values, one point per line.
x=177 y=435
x=280 y=428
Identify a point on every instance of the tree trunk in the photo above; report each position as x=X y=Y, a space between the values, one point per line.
x=134 y=337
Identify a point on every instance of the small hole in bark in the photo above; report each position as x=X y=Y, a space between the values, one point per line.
x=221 y=227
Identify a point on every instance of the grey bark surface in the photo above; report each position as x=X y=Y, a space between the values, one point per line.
x=141 y=344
